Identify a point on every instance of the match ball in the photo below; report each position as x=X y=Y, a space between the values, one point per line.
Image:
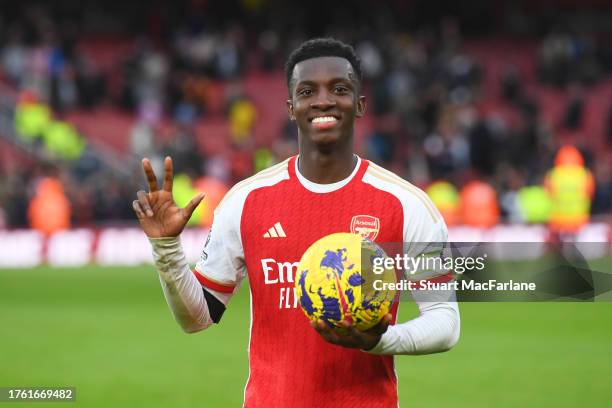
x=335 y=281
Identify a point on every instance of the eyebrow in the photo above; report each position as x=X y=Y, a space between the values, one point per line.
x=331 y=81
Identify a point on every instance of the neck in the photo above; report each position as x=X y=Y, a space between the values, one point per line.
x=326 y=167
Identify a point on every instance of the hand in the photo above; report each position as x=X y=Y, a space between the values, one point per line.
x=156 y=210
x=350 y=337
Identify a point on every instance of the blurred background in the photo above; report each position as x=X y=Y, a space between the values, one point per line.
x=501 y=111
x=471 y=102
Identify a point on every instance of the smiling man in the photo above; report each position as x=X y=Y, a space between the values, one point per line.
x=264 y=225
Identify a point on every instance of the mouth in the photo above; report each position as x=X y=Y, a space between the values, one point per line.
x=324 y=122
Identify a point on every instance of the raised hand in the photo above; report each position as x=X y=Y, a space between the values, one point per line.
x=158 y=214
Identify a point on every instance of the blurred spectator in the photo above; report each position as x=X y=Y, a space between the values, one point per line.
x=571 y=187
x=31 y=117
x=566 y=57
x=511 y=84
x=479 y=206
x=49 y=209
x=446 y=198
x=262 y=159
x=14 y=55
x=144 y=140
x=575 y=107
x=510 y=181
x=215 y=191
x=14 y=193
x=602 y=200
x=219 y=167
x=447 y=149
x=534 y=204
x=228 y=55
x=63 y=141
x=242 y=116
x=380 y=147
x=269 y=44
x=183 y=191
x=435 y=108
x=483 y=146
x=182 y=147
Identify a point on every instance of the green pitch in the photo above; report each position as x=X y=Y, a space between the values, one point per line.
x=108 y=332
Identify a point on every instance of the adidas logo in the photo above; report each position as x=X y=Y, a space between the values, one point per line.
x=275 y=232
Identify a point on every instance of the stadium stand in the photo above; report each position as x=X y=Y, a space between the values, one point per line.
x=494 y=103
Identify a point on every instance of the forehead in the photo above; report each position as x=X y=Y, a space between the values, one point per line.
x=322 y=69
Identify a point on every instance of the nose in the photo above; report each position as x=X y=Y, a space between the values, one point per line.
x=323 y=100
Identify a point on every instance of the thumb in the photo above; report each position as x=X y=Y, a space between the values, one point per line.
x=193 y=204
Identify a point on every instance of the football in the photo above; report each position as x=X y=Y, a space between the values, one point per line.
x=335 y=281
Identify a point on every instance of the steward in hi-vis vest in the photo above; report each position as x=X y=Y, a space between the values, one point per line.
x=571 y=187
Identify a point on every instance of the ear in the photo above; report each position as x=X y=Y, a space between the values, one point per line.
x=361 y=106
x=290 y=109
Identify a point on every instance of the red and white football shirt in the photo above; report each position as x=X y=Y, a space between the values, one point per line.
x=261 y=229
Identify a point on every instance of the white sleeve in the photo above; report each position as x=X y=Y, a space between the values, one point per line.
x=221 y=267
x=182 y=290
x=437 y=328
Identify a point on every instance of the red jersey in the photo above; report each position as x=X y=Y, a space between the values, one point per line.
x=261 y=229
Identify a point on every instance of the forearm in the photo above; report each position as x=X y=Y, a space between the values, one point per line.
x=182 y=290
x=435 y=330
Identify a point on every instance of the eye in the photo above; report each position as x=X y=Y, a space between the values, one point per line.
x=304 y=92
x=340 y=89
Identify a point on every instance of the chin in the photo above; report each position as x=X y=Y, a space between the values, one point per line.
x=328 y=137
x=325 y=138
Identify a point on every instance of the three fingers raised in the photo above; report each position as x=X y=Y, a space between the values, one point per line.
x=142 y=207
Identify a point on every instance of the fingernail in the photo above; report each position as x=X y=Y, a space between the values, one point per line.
x=149 y=213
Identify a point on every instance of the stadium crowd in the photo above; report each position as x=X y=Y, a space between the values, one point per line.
x=434 y=118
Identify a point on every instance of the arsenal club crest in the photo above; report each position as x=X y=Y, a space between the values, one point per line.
x=366 y=226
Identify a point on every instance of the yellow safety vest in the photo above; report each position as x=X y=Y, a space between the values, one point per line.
x=31 y=120
x=183 y=191
x=569 y=194
x=535 y=204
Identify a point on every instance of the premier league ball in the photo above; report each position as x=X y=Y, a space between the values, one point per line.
x=336 y=281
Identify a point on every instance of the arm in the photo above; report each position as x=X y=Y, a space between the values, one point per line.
x=184 y=294
x=437 y=327
x=162 y=221
x=435 y=330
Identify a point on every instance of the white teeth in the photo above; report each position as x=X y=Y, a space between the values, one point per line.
x=324 y=119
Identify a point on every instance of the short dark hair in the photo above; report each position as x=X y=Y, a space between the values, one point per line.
x=322 y=47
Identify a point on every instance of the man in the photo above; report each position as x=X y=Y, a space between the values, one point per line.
x=266 y=222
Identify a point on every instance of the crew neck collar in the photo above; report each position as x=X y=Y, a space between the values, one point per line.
x=325 y=188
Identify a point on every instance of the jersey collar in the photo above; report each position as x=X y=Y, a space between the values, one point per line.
x=323 y=188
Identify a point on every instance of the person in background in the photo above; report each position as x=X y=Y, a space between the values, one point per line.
x=215 y=191
x=479 y=207
x=571 y=187
x=49 y=210
x=446 y=197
